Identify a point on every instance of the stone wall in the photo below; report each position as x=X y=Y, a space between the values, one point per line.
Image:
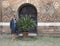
x=48 y=11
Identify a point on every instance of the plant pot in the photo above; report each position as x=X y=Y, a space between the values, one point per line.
x=25 y=34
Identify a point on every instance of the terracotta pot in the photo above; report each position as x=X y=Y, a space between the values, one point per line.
x=25 y=34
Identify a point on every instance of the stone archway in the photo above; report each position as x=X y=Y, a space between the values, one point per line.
x=30 y=10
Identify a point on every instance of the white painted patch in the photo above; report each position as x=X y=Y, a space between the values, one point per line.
x=48 y=24
x=38 y=24
x=4 y=23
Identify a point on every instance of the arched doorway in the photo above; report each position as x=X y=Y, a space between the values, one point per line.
x=30 y=10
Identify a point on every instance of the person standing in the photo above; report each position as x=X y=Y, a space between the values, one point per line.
x=13 y=27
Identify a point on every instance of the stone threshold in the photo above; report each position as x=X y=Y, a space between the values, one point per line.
x=30 y=34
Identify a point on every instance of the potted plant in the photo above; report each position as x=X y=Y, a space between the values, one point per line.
x=25 y=23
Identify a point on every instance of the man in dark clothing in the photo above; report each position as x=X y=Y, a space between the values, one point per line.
x=13 y=26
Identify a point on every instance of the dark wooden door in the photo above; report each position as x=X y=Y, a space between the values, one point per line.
x=31 y=11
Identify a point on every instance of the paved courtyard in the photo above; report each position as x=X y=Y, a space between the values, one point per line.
x=5 y=40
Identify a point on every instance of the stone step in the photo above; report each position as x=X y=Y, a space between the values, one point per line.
x=30 y=34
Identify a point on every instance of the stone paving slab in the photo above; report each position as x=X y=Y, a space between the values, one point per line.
x=5 y=40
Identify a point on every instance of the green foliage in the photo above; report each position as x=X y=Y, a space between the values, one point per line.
x=26 y=23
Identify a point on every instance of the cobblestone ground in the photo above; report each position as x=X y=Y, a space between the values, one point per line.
x=5 y=40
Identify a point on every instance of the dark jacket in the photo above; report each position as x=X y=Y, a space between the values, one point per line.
x=11 y=24
x=13 y=29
